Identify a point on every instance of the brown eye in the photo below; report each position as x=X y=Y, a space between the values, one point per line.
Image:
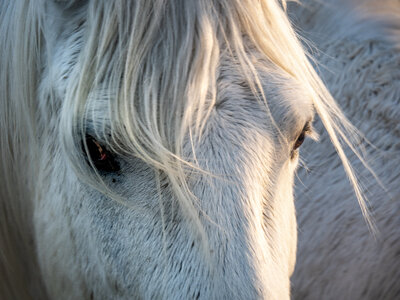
x=299 y=140
x=101 y=158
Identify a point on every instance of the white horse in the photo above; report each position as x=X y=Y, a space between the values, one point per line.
x=338 y=258
x=148 y=148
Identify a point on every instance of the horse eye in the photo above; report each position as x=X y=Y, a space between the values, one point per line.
x=101 y=158
x=299 y=140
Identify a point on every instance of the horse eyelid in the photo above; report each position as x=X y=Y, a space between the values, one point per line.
x=309 y=131
x=306 y=132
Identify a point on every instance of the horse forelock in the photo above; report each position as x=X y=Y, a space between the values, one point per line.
x=161 y=61
x=160 y=64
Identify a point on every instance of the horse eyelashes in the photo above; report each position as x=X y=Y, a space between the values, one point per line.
x=102 y=159
x=299 y=140
x=307 y=130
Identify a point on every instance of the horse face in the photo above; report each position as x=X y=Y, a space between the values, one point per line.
x=91 y=246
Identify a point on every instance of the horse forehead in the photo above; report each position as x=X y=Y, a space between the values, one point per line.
x=287 y=101
x=286 y=98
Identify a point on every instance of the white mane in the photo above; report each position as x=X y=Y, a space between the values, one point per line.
x=161 y=61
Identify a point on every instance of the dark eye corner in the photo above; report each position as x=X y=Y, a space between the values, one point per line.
x=101 y=158
x=307 y=131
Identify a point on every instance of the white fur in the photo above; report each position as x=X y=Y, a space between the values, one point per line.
x=338 y=258
x=200 y=103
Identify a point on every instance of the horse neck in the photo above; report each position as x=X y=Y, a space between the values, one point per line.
x=361 y=68
x=358 y=59
x=329 y=20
